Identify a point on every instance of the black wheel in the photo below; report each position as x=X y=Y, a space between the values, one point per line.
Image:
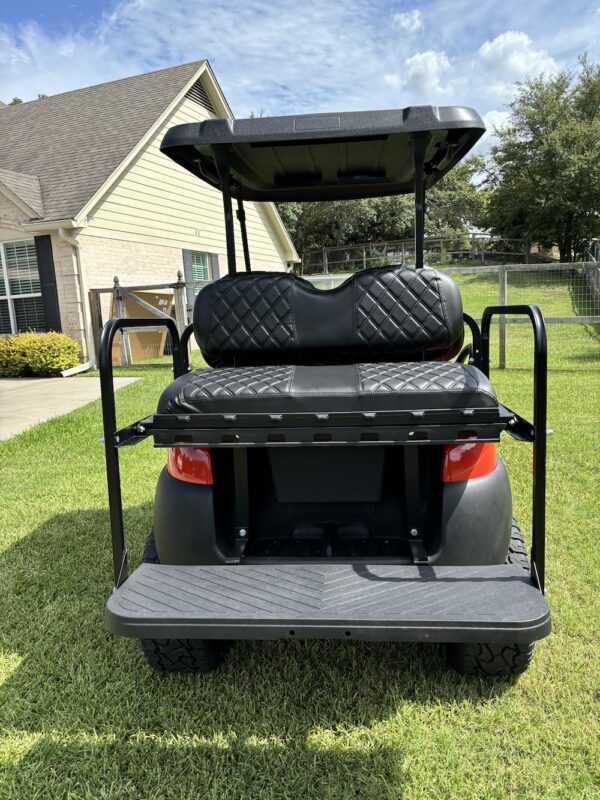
x=183 y=655
x=180 y=655
x=502 y=660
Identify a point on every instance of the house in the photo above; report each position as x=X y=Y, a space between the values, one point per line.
x=86 y=194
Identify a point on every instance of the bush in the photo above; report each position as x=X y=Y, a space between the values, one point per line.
x=42 y=354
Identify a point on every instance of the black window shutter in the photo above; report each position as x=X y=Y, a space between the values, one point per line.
x=45 y=260
x=214 y=267
x=188 y=277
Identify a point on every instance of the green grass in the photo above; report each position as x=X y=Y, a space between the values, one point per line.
x=81 y=716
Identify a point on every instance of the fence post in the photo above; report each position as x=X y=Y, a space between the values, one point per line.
x=502 y=301
x=96 y=320
x=119 y=304
x=180 y=303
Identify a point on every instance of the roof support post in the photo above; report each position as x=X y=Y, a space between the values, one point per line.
x=222 y=165
x=241 y=215
x=419 y=143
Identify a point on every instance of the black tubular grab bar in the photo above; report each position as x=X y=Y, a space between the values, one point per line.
x=109 y=417
x=476 y=340
x=183 y=348
x=540 y=402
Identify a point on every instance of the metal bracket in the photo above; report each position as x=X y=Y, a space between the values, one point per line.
x=417 y=549
x=242 y=502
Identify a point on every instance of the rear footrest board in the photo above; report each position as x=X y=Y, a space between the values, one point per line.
x=322 y=601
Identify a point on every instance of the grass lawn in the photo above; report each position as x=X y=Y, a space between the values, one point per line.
x=81 y=716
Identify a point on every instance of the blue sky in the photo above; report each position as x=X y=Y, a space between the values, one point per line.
x=295 y=56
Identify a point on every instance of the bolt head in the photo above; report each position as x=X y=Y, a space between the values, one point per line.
x=242 y=532
x=414 y=532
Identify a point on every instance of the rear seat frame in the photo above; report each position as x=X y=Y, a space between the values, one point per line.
x=241 y=431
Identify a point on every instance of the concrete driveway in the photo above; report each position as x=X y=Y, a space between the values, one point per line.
x=26 y=401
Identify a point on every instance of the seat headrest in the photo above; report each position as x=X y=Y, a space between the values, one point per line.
x=387 y=314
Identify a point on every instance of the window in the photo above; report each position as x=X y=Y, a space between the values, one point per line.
x=21 y=306
x=200 y=270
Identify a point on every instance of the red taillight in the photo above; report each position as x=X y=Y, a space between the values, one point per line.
x=191 y=464
x=468 y=460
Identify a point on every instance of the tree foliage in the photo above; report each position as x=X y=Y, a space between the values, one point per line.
x=453 y=205
x=544 y=174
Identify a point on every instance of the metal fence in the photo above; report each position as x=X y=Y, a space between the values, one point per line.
x=568 y=294
x=474 y=249
x=149 y=345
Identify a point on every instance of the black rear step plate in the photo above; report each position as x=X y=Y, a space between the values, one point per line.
x=322 y=601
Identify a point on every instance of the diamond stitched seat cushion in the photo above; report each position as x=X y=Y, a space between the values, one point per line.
x=351 y=387
x=387 y=314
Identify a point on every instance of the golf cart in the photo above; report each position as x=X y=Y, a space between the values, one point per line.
x=334 y=475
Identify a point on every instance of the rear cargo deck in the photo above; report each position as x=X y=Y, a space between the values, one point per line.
x=321 y=601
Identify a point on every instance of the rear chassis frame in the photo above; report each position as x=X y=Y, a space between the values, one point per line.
x=410 y=428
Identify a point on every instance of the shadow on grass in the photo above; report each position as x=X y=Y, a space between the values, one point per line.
x=280 y=719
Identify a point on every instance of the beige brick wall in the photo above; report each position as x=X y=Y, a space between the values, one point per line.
x=67 y=286
x=10 y=212
x=11 y=217
x=133 y=262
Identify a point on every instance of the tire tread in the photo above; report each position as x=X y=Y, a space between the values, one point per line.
x=501 y=660
x=179 y=655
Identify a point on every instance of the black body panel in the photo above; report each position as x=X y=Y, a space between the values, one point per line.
x=476 y=520
x=327 y=156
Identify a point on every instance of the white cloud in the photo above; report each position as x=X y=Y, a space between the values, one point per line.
x=317 y=55
x=280 y=57
x=409 y=20
x=422 y=74
x=495 y=119
x=512 y=55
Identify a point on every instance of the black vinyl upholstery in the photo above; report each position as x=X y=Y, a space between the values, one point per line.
x=345 y=387
x=387 y=314
x=379 y=342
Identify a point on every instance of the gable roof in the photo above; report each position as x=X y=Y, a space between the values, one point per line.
x=23 y=188
x=73 y=142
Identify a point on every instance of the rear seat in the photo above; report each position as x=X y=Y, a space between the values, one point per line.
x=348 y=387
x=380 y=341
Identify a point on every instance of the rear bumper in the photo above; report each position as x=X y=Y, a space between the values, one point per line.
x=328 y=601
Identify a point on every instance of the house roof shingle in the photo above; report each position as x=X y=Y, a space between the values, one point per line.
x=74 y=141
x=26 y=187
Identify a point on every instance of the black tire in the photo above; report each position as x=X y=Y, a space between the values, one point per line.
x=180 y=655
x=500 y=660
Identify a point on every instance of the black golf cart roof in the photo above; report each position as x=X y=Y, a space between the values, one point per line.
x=326 y=156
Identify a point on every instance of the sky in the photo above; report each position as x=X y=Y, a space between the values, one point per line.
x=301 y=56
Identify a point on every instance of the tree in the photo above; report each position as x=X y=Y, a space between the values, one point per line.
x=544 y=174
x=313 y=225
x=453 y=206
x=15 y=101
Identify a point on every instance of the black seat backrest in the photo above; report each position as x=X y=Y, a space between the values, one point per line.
x=386 y=314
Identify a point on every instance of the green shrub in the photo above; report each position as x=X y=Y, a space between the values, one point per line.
x=40 y=354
